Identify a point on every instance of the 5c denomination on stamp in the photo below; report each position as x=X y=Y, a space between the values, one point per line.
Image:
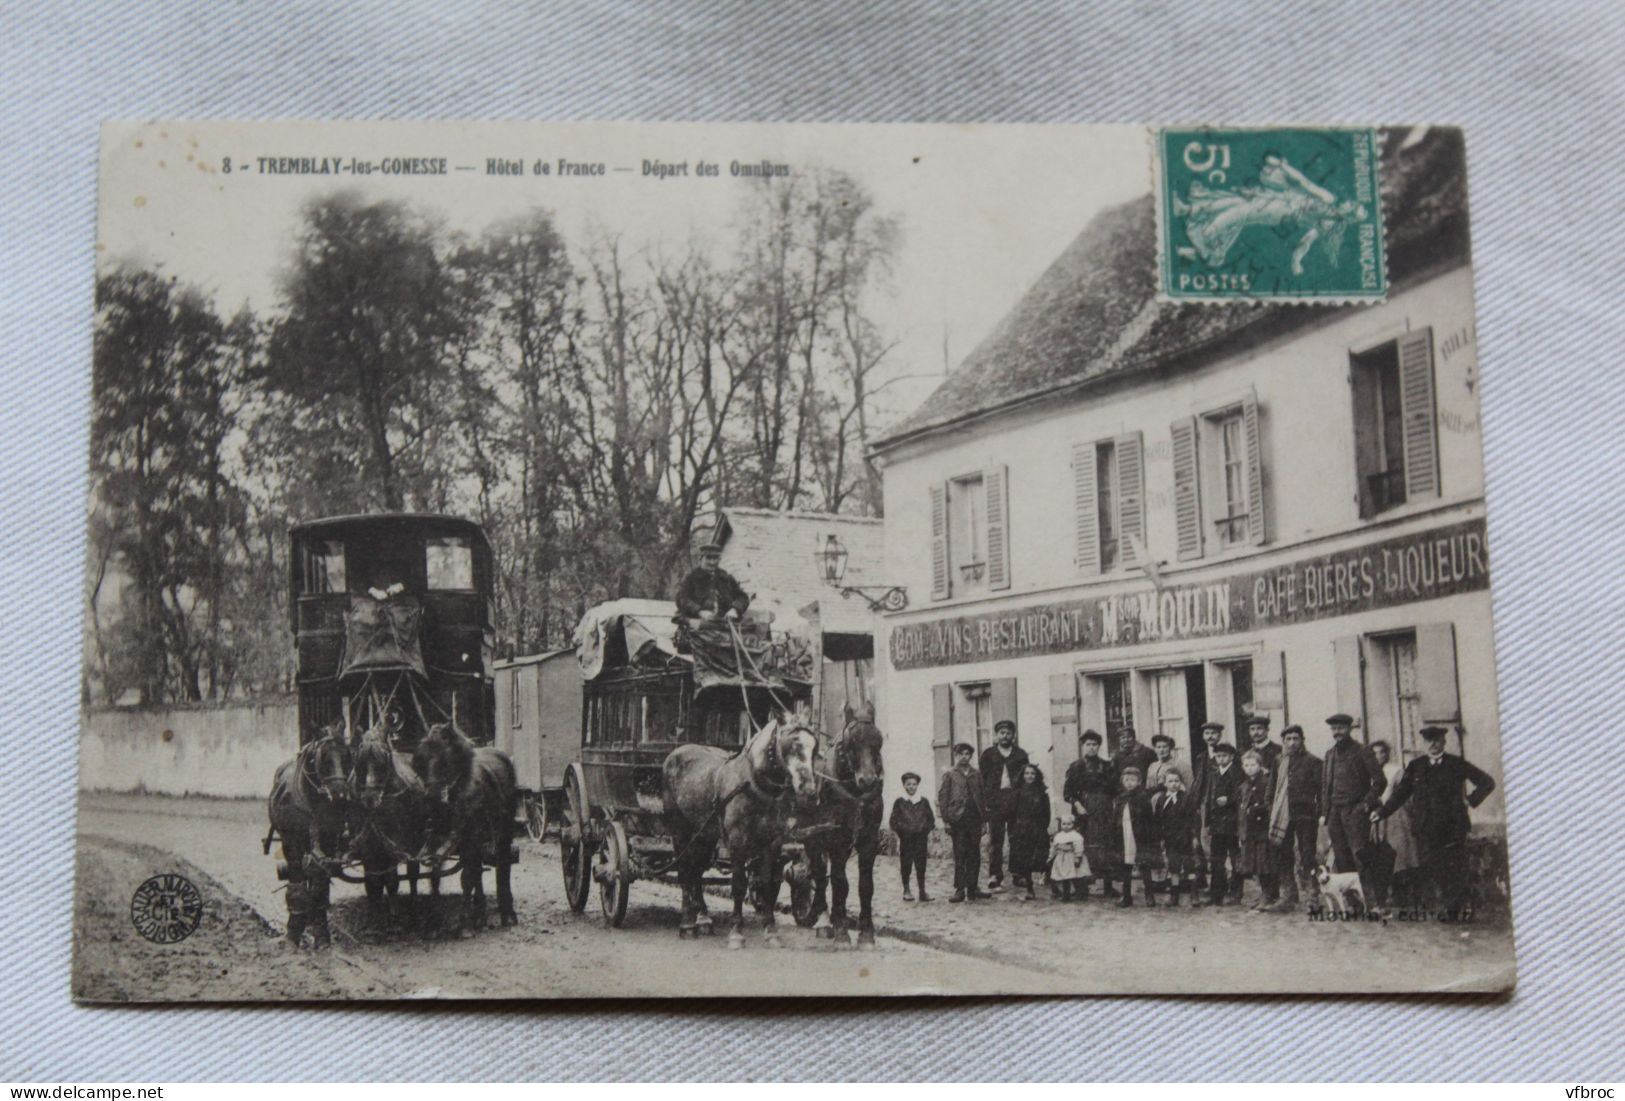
x=1279 y=214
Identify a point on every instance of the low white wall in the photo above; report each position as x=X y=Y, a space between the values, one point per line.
x=228 y=751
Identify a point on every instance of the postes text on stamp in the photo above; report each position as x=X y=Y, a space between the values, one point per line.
x=1277 y=214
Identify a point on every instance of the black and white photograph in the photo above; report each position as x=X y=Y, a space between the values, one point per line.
x=618 y=560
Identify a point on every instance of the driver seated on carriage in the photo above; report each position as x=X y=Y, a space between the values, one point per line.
x=710 y=601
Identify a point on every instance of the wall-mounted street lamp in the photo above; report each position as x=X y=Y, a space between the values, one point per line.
x=832 y=567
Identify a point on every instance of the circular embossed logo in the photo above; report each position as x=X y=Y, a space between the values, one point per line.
x=166 y=909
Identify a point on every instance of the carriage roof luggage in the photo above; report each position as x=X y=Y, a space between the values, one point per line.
x=646 y=634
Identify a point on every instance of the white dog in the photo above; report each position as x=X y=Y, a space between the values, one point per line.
x=1336 y=888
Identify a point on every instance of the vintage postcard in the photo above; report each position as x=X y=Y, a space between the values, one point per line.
x=611 y=560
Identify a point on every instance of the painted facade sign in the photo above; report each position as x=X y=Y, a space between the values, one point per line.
x=1421 y=566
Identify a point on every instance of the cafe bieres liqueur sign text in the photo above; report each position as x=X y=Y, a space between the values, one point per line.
x=1422 y=566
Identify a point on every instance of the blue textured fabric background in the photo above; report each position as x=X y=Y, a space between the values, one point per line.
x=1538 y=88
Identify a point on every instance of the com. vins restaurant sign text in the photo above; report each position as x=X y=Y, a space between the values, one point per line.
x=1409 y=568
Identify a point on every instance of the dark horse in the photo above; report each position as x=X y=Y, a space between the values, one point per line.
x=743 y=800
x=388 y=813
x=848 y=819
x=307 y=808
x=474 y=799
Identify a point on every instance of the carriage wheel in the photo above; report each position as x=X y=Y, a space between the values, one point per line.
x=574 y=839
x=535 y=814
x=614 y=873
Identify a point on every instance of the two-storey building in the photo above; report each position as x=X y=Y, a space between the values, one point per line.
x=1124 y=510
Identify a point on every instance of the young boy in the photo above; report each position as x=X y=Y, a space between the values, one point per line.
x=1257 y=860
x=1173 y=812
x=1134 y=837
x=1068 y=864
x=912 y=822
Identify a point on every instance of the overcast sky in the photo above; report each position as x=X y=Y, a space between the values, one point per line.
x=984 y=209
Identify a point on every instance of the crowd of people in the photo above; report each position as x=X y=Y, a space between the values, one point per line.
x=1274 y=814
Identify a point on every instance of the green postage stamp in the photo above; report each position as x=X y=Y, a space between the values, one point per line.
x=1274 y=214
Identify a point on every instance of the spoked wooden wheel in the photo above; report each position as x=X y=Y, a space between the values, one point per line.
x=575 y=837
x=613 y=870
x=535 y=814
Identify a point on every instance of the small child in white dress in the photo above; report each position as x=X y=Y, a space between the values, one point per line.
x=1067 y=863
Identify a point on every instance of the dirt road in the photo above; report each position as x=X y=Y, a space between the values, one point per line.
x=236 y=954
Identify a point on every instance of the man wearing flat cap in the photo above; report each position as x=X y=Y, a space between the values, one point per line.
x=709 y=592
x=1212 y=735
x=1351 y=788
x=1132 y=753
x=959 y=800
x=1002 y=764
x=1294 y=815
x=1258 y=740
x=1221 y=814
x=1432 y=785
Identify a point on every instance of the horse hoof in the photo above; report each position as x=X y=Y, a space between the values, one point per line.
x=466 y=933
x=509 y=919
x=736 y=941
x=772 y=941
x=703 y=929
x=866 y=939
x=824 y=932
x=686 y=932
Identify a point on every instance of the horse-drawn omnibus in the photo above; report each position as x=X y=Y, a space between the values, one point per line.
x=648 y=690
x=391 y=621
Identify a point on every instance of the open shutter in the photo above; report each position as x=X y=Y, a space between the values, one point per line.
x=1256 y=527
x=1063 y=719
x=1002 y=691
x=1367 y=446
x=1416 y=399
x=941 y=586
x=942 y=727
x=1187 y=502
x=996 y=481
x=1130 y=496
x=1347 y=665
x=1436 y=674
x=1085 y=508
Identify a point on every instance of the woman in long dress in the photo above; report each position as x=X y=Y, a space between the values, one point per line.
x=1396 y=830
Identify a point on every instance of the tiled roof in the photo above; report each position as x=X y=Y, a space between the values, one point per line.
x=771 y=553
x=1095 y=313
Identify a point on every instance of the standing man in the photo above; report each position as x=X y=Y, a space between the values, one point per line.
x=1221 y=811
x=1166 y=762
x=1432 y=784
x=1258 y=738
x=1294 y=812
x=709 y=592
x=1002 y=763
x=1350 y=790
x=1132 y=753
x=959 y=799
x=1212 y=734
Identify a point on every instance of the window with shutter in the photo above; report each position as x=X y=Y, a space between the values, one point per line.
x=1002 y=692
x=1379 y=430
x=1187 y=500
x=941 y=581
x=1085 y=509
x=1256 y=530
x=1420 y=417
x=1346 y=668
x=1063 y=719
x=996 y=480
x=1130 y=496
x=1436 y=674
x=942 y=727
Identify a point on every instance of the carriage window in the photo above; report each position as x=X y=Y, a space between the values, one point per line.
x=450 y=562
x=324 y=566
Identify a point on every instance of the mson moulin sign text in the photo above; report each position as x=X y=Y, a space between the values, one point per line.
x=1422 y=566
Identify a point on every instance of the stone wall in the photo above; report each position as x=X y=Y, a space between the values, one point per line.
x=227 y=751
